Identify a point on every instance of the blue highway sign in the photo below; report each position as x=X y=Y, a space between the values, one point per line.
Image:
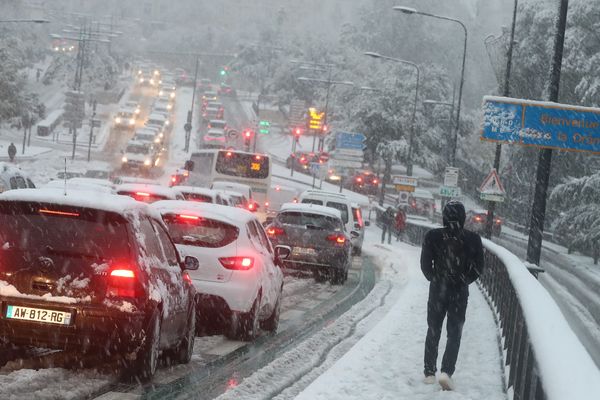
x=541 y=124
x=349 y=140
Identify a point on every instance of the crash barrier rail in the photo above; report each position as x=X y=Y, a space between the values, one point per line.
x=543 y=359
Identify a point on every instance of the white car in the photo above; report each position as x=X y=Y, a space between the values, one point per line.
x=239 y=277
x=214 y=138
x=203 y=195
x=139 y=155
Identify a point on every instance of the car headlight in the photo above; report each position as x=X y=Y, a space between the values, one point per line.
x=172 y=95
x=161 y=135
x=166 y=122
x=137 y=110
x=124 y=159
x=132 y=121
x=157 y=140
x=160 y=92
x=118 y=120
x=147 y=162
x=152 y=81
x=139 y=71
x=169 y=106
x=141 y=80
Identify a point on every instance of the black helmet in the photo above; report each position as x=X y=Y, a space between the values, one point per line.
x=454 y=214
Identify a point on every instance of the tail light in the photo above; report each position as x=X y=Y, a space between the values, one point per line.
x=266 y=204
x=237 y=263
x=251 y=206
x=122 y=283
x=498 y=221
x=187 y=278
x=273 y=231
x=477 y=218
x=337 y=238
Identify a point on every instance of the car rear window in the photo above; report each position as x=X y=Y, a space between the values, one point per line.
x=313 y=201
x=314 y=221
x=50 y=230
x=203 y=198
x=342 y=207
x=197 y=231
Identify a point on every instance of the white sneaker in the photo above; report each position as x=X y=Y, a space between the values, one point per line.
x=446 y=381
x=429 y=380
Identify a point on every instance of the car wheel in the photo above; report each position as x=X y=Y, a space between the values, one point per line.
x=336 y=276
x=184 y=351
x=271 y=323
x=245 y=326
x=319 y=275
x=147 y=357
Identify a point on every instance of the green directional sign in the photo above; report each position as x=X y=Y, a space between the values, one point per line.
x=263 y=127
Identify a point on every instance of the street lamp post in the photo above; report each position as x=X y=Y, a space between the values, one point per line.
x=450 y=106
x=408 y=10
x=409 y=164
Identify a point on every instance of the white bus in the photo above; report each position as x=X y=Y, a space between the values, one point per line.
x=252 y=169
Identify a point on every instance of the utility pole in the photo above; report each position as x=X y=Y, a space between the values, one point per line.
x=505 y=92
x=538 y=210
x=89 y=155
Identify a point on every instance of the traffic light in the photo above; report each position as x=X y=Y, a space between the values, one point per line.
x=248 y=134
x=325 y=129
x=263 y=127
x=297 y=133
x=224 y=70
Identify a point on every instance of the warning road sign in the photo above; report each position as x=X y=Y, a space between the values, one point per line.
x=491 y=189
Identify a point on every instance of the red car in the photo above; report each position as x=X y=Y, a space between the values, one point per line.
x=365 y=182
x=226 y=90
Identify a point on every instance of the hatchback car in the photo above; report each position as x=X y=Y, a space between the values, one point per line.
x=239 y=281
x=96 y=273
x=317 y=238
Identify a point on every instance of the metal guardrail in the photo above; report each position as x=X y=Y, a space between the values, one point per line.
x=520 y=364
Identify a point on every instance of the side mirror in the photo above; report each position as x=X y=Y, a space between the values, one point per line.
x=191 y=263
x=354 y=234
x=282 y=253
x=367 y=223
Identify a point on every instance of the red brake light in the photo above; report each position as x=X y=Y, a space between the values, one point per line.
x=257 y=157
x=188 y=217
x=375 y=181
x=173 y=179
x=187 y=278
x=237 y=263
x=55 y=212
x=359 y=179
x=274 y=231
x=123 y=273
x=142 y=194
x=266 y=204
x=338 y=238
x=122 y=283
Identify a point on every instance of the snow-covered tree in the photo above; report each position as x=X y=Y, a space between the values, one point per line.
x=578 y=225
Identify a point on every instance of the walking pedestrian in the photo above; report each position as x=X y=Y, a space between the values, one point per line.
x=387 y=219
x=451 y=259
x=12 y=152
x=400 y=223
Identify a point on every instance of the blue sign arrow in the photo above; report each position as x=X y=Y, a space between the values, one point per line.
x=541 y=124
x=349 y=140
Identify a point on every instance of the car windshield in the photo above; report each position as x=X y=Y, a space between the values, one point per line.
x=201 y=232
x=137 y=149
x=310 y=220
x=50 y=229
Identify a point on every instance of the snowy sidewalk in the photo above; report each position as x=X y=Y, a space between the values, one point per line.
x=387 y=362
x=375 y=350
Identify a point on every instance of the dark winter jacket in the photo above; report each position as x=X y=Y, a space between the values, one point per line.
x=452 y=254
x=387 y=218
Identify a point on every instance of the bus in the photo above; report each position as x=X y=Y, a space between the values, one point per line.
x=252 y=169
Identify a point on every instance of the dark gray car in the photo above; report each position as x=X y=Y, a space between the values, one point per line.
x=317 y=238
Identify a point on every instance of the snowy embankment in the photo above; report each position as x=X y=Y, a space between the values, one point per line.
x=375 y=350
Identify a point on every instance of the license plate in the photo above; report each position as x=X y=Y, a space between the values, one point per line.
x=38 y=315
x=303 y=251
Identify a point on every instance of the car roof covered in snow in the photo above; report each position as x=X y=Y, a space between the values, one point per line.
x=157 y=117
x=75 y=198
x=147 y=188
x=231 y=215
x=311 y=209
x=78 y=186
